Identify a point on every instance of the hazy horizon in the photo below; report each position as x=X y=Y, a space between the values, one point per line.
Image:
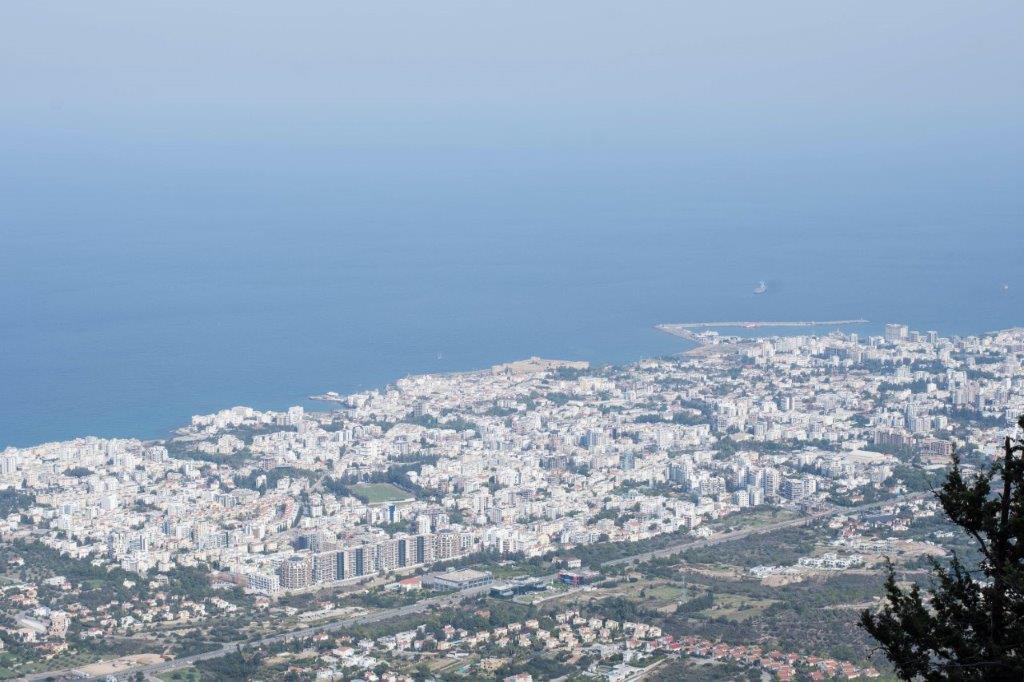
x=206 y=205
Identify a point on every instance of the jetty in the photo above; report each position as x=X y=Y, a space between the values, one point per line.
x=685 y=329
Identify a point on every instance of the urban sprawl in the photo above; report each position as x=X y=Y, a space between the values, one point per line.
x=404 y=488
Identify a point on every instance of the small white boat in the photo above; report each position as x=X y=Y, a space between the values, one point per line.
x=761 y=287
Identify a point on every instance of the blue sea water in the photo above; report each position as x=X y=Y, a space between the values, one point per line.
x=249 y=205
x=175 y=302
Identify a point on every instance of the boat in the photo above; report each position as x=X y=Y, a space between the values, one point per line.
x=761 y=287
x=330 y=397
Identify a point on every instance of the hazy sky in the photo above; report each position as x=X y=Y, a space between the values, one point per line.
x=697 y=77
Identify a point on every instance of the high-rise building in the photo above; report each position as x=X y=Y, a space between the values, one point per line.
x=894 y=333
x=325 y=567
x=793 y=488
x=295 y=572
x=267 y=584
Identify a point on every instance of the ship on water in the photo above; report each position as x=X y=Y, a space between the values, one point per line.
x=761 y=287
x=330 y=397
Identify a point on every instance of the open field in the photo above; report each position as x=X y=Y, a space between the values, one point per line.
x=736 y=607
x=754 y=517
x=118 y=665
x=379 y=493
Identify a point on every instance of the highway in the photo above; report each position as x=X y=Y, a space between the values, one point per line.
x=454 y=598
x=832 y=510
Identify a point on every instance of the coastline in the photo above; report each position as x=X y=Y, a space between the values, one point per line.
x=308 y=401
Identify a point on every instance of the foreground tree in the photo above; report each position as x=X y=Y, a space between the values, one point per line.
x=969 y=624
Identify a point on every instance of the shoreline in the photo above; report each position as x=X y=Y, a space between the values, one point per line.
x=700 y=348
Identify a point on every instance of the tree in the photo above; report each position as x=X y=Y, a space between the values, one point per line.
x=970 y=626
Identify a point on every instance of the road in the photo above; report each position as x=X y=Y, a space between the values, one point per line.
x=832 y=510
x=454 y=598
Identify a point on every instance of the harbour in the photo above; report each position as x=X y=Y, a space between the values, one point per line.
x=684 y=329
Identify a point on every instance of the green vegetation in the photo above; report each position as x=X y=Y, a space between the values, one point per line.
x=917 y=479
x=540 y=667
x=242 y=664
x=735 y=607
x=397 y=475
x=596 y=554
x=273 y=476
x=683 y=669
x=754 y=517
x=378 y=599
x=183 y=675
x=781 y=547
x=473 y=615
x=800 y=617
x=14 y=500
x=378 y=493
x=970 y=626
x=452 y=423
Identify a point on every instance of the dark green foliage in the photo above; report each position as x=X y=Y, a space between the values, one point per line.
x=779 y=548
x=450 y=423
x=917 y=479
x=568 y=373
x=234 y=460
x=963 y=416
x=540 y=667
x=242 y=664
x=14 y=500
x=916 y=386
x=397 y=475
x=697 y=604
x=98 y=585
x=273 y=476
x=684 y=670
x=594 y=555
x=498 y=613
x=970 y=626
x=802 y=619
x=193 y=582
x=618 y=608
x=384 y=600
x=191 y=647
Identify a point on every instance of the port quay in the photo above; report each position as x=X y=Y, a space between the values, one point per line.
x=684 y=329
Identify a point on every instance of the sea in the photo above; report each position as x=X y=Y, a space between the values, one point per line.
x=130 y=303
x=218 y=207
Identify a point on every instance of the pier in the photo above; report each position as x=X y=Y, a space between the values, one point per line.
x=683 y=329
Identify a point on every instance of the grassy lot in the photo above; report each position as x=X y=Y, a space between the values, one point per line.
x=754 y=518
x=66 y=659
x=378 y=493
x=656 y=594
x=736 y=607
x=442 y=664
x=660 y=595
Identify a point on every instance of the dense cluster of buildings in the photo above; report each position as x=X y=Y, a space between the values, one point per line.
x=781 y=665
x=605 y=648
x=524 y=459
